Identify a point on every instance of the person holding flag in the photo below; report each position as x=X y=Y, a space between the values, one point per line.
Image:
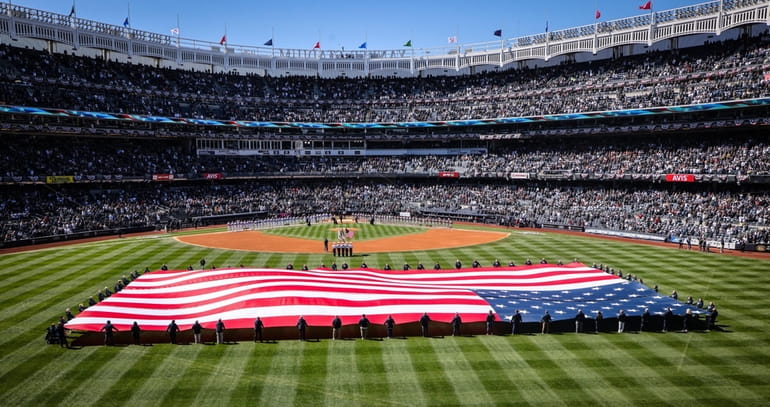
x=363 y=325
x=301 y=328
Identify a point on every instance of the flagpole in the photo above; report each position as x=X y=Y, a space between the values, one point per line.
x=178 y=30
x=547 y=34
x=272 y=39
x=457 y=43
x=652 y=27
x=128 y=6
x=596 y=27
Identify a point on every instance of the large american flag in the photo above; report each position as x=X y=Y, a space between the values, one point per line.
x=279 y=297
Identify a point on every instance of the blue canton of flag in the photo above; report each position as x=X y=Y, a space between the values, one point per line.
x=630 y=296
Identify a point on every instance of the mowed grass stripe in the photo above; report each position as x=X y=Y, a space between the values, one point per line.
x=641 y=363
x=173 y=362
x=699 y=359
x=254 y=374
x=135 y=376
x=466 y=381
x=519 y=365
x=596 y=384
x=504 y=362
x=224 y=376
x=202 y=366
x=401 y=375
x=283 y=375
x=313 y=373
x=341 y=377
x=25 y=380
x=73 y=280
x=557 y=373
x=64 y=270
x=671 y=350
x=56 y=386
x=432 y=378
x=371 y=372
x=90 y=386
x=25 y=325
x=21 y=268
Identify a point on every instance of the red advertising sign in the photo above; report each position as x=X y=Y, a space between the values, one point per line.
x=448 y=174
x=162 y=177
x=680 y=178
x=214 y=175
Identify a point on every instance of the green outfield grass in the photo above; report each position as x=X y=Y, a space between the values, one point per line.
x=725 y=368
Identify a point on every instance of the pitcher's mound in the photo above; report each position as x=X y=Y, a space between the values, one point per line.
x=430 y=239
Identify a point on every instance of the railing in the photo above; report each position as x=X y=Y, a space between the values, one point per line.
x=712 y=17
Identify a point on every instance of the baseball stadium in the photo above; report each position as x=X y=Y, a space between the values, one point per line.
x=574 y=217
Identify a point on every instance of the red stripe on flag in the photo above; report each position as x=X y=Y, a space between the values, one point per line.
x=280 y=296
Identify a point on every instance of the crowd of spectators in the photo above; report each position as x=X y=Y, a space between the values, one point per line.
x=735 y=216
x=697 y=154
x=717 y=71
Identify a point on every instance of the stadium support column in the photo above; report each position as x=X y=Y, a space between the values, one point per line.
x=411 y=63
x=502 y=50
x=75 y=39
x=719 y=16
x=457 y=59
x=11 y=21
x=767 y=12
x=651 y=33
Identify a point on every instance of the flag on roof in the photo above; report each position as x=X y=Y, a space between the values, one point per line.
x=223 y=40
x=452 y=39
x=72 y=10
x=317 y=45
x=646 y=6
x=598 y=14
x=408 y=43
x=269 y=43
x=498 y=33
x=175 y=31
x=279 y=297
x=362 y=46
x=125 y=22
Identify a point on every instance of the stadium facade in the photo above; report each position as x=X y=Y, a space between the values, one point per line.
x=667 y=29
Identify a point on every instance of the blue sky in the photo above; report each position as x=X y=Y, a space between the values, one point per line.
x=384 y=24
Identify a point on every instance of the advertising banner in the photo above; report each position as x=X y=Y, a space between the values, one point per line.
x=162 y=177
x=680 y=178
x=59 y=179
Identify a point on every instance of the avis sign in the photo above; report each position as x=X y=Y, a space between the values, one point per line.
x=680 y=178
